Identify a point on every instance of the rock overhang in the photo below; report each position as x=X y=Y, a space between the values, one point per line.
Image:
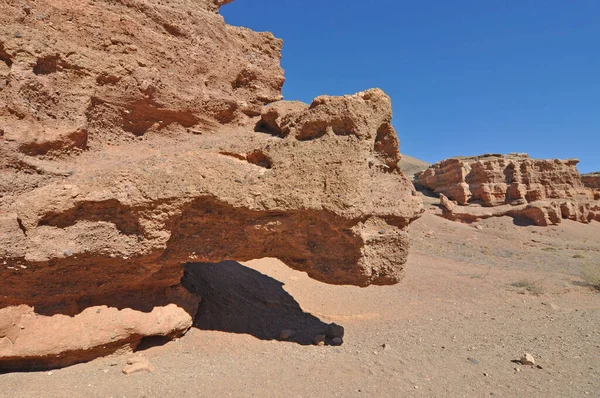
x=133 y=148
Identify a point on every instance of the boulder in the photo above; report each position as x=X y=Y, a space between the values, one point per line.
x=139 y=136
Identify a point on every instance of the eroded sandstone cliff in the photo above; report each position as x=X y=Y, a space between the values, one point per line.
x=138 y=136
x=543 y=191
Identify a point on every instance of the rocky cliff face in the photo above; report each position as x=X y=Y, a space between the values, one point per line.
x=137 y=136
x=591 y=180
x=544 y=191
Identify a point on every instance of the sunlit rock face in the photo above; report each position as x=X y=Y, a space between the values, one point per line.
x=545 y=191
x=137 y=136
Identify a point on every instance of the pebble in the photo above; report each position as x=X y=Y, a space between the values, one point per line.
x=319 y=340
x=334 y=330
x=138 y=364
x=527 y=359
x=473 y=361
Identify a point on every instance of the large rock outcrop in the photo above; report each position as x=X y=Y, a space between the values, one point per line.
x=543 y=191
x=135 y=138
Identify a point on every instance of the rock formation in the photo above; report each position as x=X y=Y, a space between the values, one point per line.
x=543 y=191
x=138 y=136
x=591 y=180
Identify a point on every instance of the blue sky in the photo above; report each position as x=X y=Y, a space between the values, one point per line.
x=466 y=77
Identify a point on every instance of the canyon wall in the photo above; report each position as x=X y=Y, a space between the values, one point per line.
x=543 y=191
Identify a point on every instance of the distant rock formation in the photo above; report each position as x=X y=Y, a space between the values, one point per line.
x=137 y=136
x=543 y=191
x=591 y=180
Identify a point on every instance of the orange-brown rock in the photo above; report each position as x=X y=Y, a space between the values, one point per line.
x=138 y=136
x=543 y=191
x=591 y=180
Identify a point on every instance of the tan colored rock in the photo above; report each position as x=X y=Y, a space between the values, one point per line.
x=138 y=364
x=542 y=191
x=447 y=204
x=527 y=359
x=129 y=148
x=31 y=340
x=276 y=115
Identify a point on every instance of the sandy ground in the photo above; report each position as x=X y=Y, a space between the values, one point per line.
x=452 y=328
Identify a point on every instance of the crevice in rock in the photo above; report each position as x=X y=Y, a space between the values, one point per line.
x=238 y=156
x=21 y=226
x=274 y=130
x=108 y=211
x=174 y=30
x=386 y=147
x=74 y=140
x=259 y=158
x=4 y=56
x=140 y=116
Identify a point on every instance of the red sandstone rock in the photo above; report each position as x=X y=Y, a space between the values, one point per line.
x=133 y=141
x=543 y=191
x=591 y=180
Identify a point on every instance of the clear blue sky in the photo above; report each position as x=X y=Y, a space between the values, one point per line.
x=465 y=77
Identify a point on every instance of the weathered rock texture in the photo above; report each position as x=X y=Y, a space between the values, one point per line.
x=543 y=191
x=135 y=138
x=591 y=180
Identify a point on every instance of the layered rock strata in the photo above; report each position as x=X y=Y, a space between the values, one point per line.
x=543 y=191
x=591 y=180
x=138 y=136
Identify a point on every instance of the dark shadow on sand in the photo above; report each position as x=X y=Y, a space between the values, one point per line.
x=238 y=299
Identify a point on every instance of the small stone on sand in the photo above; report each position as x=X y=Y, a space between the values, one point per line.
x=138 y=364
x=527 y=359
